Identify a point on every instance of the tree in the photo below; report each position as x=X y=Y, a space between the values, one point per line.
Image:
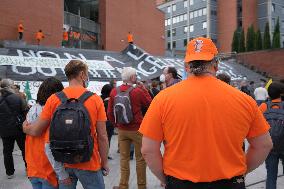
x=235 y=42
x=258 y=40
x=276 y=43
x=242 y=47
x=266 y=38
x=250 y=39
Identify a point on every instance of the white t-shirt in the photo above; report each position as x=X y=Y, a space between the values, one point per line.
x=34 y=113
x=260 y=93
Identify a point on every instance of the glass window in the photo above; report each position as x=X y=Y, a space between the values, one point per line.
x=181 y=18
x=184 y=42
x=191 y=28
x=169 y=33
x=174 y=44
x=282 y=24
x=195 y=14
x=169 y=45
x=185 y=29
x=200 y=12
x=169 y=9
x=174 y=20
x=273 y=7
x=177 y=19
x=185 y=16
x=174 y=7
x=204 y=25
x=191 y=15
x=282 y=10
x=169 y=22
x=204 y=11
x=166 y=22
x=174 y=32
x=191 y=2
x=185 y=3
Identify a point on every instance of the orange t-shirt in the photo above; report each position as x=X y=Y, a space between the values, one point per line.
x=130 y=38
x=96 y=110
x=65 y=36
x=38 y=164
x=263 y=106
x=39 y=35
x=20 y=28
x=203 y=123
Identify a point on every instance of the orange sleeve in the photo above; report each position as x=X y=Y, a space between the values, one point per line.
x=48 y=109
x=263 y=107
x=259 y=125
x=152 y=123
x=101 y=109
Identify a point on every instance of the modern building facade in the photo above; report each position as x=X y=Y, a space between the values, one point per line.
x=103 y=24
x=217 y=19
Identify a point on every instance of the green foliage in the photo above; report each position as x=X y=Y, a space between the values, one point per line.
x=235 y=42
x=258 y=40
x=250 y=40
x=242 y=47
x=266 y=38
x=276 y=42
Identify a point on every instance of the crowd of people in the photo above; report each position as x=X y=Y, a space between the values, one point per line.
x=202 y=122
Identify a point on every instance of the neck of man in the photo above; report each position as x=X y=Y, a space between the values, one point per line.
x=75 y=83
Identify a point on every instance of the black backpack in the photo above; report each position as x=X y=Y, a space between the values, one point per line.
x=70 y=137
x=275 y=118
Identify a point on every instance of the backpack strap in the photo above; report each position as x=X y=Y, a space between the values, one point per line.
x=85 y=96
x=127 y=91
x=62 y=96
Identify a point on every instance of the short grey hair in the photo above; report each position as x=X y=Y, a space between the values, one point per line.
x=7 y=83
x=127 y=72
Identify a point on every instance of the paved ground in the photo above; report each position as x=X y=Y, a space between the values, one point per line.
x=20 y=181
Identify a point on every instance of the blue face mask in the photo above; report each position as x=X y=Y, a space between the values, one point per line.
x=86 y=83
x=184 y=75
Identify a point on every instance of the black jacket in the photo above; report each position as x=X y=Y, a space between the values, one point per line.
x=11 y=105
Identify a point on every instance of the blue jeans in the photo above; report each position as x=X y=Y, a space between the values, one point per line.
x=271 y=163
x=88 y=179
x=38 y=183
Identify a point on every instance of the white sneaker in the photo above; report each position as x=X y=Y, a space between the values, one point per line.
x=10 y=176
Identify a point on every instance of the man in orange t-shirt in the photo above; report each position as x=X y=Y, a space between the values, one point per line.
x=65 y=38
x=21 y=30
x=88 y=173
x=130 y=38
x=39 y=37
x=203 y=123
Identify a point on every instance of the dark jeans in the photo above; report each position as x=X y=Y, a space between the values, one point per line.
x=8 y=147
x=234 y=183
x=271 y=163
x=21 y=35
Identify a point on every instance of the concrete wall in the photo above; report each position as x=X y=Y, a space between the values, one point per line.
x=142 y=18
x=36 y=14
x=269 y=61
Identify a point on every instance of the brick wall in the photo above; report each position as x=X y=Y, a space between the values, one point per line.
x=36 y=14
x=269 y=61
x=141 y=18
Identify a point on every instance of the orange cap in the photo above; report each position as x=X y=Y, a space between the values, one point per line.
x=200 y=49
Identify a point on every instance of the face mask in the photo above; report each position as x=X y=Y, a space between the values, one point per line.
x=162 y=78
x=184 y=75
x=86 y=83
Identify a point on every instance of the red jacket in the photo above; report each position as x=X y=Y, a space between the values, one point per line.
x=140 y=98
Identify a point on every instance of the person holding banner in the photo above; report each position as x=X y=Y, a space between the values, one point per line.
x=39 y=37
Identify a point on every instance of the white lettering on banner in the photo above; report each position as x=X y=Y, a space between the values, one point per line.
x=15 y=70
x=51 y=74
x=111 y=59
x=154 y=69
x=155 y=62
x=109 y=73
x=38 y=53
x=70 y=56
x=94 y=73
x=49 y=62
x=22 y=53
x=134 y=56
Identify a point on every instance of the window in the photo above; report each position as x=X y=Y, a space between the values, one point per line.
x=185 y=16
x=273 y=7
x=169 y=22
x=181 y=18
x=273 y=23
x=174 y=20
x=169 y=9
x=184 y=42
x=174 y=32
x=169 y=33
x=166 y=22
x=191 y=2
x=174 y=44
x=195 y=14
x=185 y=3
x=185 y=29
x=200 y=12
x=282 y=10
x=169 y=45
x=174 y=7
x=204 y=11
x=214 y=12
x=204 y=25
x=282 y=25
x=191 y=28
x=191 y=15
x=177 y=18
